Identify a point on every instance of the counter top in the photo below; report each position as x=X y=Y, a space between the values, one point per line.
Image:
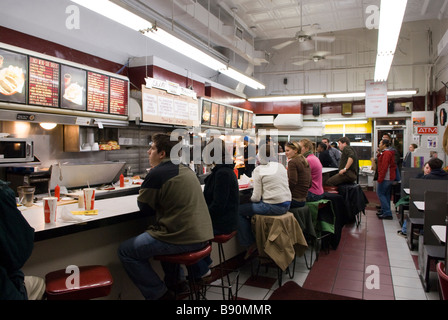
x=112 y=210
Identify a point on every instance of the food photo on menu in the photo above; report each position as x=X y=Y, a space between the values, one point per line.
x=73 y=88
x=206 y=112
x=13 y=74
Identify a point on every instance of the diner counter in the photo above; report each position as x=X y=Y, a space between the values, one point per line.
x=112 y=210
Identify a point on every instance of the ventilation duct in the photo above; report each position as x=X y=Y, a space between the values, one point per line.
x=289 y=121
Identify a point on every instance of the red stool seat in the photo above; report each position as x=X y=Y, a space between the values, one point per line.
x=187 y=258
x=223 y=238
x=331 y=189
x=94 y=282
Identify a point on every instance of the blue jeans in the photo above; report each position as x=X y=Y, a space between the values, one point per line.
x=245 y=213
x=312 y=197
x=297 y=204
x=383 y=192
x=135 y=254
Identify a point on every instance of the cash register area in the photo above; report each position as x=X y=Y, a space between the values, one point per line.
x=343 y=271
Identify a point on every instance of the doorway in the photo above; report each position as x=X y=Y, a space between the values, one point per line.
x=398 y=136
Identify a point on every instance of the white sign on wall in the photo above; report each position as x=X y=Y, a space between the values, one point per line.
x=376 y=99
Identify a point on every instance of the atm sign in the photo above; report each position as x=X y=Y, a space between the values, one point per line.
x=427 y=130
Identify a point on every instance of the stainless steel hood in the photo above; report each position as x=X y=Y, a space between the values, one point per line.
x=72 y=175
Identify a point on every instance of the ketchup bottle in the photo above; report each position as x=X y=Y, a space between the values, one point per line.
x=57 y=192
x=121 y=181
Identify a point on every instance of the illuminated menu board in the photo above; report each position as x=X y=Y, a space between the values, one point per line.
x=13 y=76
x=234 y=118
x=43 y=82
x=206 y=112
x=214 y=114
x=97 y=92
x=222 y=115
x=73 y=88
x=228 y=117
x=118 y=97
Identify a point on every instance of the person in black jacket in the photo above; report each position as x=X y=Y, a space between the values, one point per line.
x=16 y=246
x=221 y=192
x=436 y=170
x=324 y=156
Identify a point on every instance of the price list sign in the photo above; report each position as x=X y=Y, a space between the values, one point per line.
x=118 y=97
x=97 y=92
x=43 y=82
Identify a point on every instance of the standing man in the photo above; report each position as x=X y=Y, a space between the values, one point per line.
x=348 y=165
x=334 y=153
x=172 y=193
x=386 y=176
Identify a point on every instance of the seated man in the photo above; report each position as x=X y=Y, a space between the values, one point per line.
x=348 y=165
x=16 y=246
x=173 y=194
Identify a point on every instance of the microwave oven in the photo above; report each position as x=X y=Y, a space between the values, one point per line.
x=16 y=150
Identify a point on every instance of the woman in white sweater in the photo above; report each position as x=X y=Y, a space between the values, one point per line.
x=271 y=196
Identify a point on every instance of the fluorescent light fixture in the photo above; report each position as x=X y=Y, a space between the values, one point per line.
x=391 y=19
x=345 y=95
x=363 y=94
x=116 y=13
x=348 y=122
x=251 y=82
x=286 y=98
x=402 y=93
x=135 y=22
x=180 y=46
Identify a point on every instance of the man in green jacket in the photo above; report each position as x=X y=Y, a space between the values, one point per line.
x=172 y=194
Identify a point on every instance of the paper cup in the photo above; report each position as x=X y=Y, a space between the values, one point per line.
x=50 y=206
x=89 y=198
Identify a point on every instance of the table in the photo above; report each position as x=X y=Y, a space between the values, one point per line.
x=328 y=169
x=420 y=205
x=440 y=232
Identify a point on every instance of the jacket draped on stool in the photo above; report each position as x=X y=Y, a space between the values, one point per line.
x=279 y=238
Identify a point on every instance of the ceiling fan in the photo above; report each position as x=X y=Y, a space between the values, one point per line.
x=316 y=57
x=304 y=37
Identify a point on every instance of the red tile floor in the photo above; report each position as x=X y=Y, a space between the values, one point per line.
x=347 y=271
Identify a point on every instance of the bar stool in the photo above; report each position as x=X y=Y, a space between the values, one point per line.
x=279 y=240
x=220 y=240
x=331 y=189
x=94 y=281
x=316 y=209
x=188 y=259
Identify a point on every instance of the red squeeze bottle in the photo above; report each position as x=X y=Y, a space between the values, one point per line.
x=57 y=192
x=121 y=181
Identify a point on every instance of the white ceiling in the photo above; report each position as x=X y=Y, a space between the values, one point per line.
x=281 y=19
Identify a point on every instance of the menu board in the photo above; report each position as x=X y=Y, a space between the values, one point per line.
x=246 y=121
x=97 y=92
x=214 y=114
x=73 y=88
x=239 y=124
x=43 y=82
x=161 y=106
x=222 y=116
x=13 y=76
x=206 y=112
x=118 y=97
x=228 y=117
x=234 y=118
